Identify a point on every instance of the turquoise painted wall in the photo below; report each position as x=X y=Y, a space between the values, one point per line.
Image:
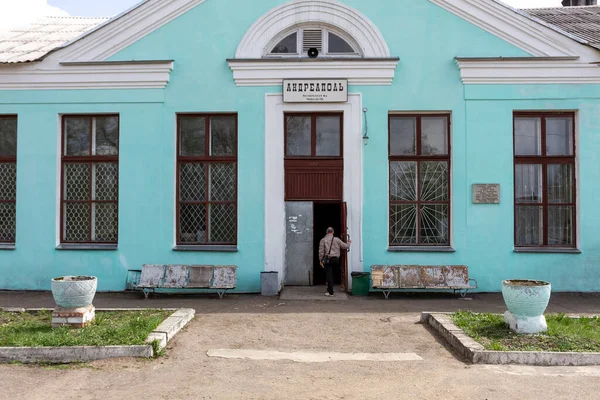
x=425 y=37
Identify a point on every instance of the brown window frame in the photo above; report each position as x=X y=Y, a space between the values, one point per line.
x=544 y=160
x=90 y=159
x=419 y=158
x=206 y=159
x=313 y=135
x=11 y=160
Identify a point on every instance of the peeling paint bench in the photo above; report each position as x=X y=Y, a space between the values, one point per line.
x=218 y=277
x=387 y=278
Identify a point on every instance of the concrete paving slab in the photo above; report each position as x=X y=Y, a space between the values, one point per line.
x=311 y=357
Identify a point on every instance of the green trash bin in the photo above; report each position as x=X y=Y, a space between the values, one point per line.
x=360 y=283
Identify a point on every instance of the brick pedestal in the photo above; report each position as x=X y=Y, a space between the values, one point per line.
x=74 y=317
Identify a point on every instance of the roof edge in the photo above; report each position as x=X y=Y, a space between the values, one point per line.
x=102 y=25
x=130 y=62
x=103 y=42
x=484 y=59
x=311 y=60
x=540 y=21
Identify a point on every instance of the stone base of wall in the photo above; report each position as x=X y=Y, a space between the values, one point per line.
x=73 y=317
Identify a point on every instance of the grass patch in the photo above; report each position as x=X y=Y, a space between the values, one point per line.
x=110 y=328
x=564 y=334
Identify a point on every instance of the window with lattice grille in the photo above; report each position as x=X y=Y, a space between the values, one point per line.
x=8 y=179
x=419 y=173
x=90 y=179
x=207 y=179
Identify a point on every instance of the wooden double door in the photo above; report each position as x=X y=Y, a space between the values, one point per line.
x=314 y=182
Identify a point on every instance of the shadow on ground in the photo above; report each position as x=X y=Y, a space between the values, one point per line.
x=578 y=303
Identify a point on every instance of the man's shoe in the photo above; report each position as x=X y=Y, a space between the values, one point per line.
x=328 y=294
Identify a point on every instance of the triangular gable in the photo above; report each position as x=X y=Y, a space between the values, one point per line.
x=513 y=26
x=123 y=30
x=83 y=63
x=519 y=29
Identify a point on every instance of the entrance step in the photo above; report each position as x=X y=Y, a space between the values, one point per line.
x=311 y=293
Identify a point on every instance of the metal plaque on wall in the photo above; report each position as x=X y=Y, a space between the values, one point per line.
x=486 y=193
x=315 y=90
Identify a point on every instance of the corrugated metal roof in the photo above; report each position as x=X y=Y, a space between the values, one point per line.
x=583 y=22
x=35 y=41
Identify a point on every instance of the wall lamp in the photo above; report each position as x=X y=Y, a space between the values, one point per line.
x=366 y=134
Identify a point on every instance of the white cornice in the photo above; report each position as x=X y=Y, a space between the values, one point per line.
x=124 y=30
x=298 y=12
x=527 y=71
x=271 y=73
x=531 y=36
x=98 y=75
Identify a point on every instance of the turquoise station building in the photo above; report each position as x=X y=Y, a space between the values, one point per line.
x=431 y=132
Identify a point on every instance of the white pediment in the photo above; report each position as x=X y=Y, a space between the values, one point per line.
x=556 y=56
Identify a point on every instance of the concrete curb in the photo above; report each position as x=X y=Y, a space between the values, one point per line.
x=171 y=326
x=69 y=354
x=17 y=309
x=63 y=355
x=476 y=354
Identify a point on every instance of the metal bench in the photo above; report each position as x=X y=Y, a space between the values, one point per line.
x=157 y=276
x=454 y=277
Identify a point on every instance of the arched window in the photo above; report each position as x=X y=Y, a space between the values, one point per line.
x=297 y=42
x=288 y=45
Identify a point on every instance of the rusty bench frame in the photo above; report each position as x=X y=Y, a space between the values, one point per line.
x=421 y=282
x=170 y=280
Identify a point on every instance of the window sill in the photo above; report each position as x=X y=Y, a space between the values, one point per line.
x=86 y=246
x=213 y=248
x=7 y=246
x=546 y=250
x=421 y=249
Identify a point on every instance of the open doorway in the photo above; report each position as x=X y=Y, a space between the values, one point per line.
x=325 y=215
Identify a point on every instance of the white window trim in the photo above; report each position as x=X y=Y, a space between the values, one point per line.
x=331 y=13
x=275 y=237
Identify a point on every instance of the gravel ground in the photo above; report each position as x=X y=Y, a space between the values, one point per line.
x=249 y=322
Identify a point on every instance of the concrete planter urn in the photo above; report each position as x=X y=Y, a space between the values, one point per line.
x=526 y=301
x=74 y=291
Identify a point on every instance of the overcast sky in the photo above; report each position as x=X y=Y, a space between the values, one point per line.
x=21 y=12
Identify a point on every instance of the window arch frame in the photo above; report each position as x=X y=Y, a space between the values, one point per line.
x=300 y=53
